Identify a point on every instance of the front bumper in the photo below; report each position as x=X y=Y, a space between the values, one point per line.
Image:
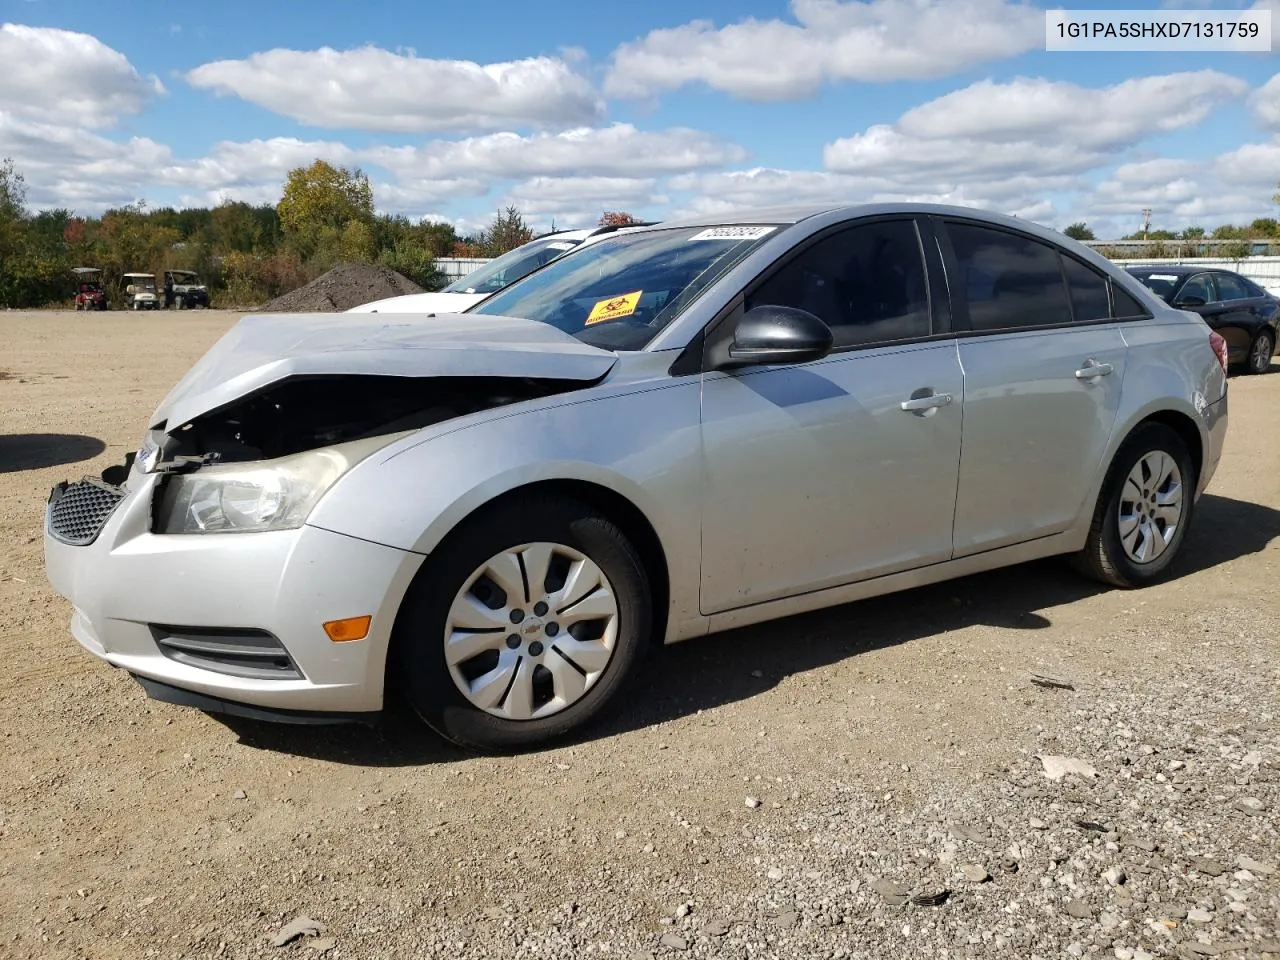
x=287 y=583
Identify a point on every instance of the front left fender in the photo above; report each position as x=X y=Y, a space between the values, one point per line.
x=643 y=445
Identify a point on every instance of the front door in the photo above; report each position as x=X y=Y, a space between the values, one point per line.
x=841 y=469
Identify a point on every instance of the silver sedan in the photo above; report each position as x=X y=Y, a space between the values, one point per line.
x=690 y=427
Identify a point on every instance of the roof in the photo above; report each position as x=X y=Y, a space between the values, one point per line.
x=1175 y=269
x=795 y=213
x=86 y=269
x=152 y=275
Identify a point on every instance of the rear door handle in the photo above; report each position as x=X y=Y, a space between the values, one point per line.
x=1092 y=370
x=923 y=405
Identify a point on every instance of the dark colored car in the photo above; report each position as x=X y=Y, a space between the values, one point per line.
x=1245 y=314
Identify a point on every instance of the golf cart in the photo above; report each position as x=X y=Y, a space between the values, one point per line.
x=89 y=292
x=183 y=289
x=141 y=291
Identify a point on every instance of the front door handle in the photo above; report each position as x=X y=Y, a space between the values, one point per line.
x=925 y=403
x=1092 y=370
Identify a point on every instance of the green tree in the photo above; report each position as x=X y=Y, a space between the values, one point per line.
x=1079 y=231
x=323 y=195
x=319 y=204
x=507 y=232
x=1193 y=233
x=234 y=226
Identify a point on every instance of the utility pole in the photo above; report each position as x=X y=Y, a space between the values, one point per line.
x=1146 y=221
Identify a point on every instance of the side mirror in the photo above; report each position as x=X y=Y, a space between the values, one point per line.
x=774 y=334
x=1189 y=302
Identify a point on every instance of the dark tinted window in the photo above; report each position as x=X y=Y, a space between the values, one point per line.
x=1200 y=287
x=1254 y=289
x=1010 y=281
x=1231 y=288
x=867 y=283
x=1126 y=305
x=1088 y=291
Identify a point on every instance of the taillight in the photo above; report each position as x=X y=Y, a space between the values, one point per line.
x=1219 y=345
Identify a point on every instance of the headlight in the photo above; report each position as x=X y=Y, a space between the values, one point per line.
x=264 y=495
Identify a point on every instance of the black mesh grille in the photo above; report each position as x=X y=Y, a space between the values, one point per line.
x=77 y=516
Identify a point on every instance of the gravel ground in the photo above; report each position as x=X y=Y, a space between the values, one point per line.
x=871 y=781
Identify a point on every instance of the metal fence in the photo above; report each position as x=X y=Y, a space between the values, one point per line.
x=456 y=267
x=1264 y=271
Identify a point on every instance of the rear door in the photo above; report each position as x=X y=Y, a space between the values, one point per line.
x=1236 y=314
x=1043 y=364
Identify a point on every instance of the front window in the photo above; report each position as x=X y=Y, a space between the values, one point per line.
x=620 y=292
x=511 y=266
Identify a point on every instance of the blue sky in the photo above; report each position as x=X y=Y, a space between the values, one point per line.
x=658 y=108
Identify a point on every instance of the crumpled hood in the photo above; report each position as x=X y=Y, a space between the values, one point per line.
x=261 y=350
x=438 y=302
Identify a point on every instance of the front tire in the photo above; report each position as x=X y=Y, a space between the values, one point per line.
x=1260 y=352
x=523 y=625
x=1143 y=511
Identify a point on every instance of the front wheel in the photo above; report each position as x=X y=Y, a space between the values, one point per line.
x=1143 y=511
x=1260 y=352
x=523 y=625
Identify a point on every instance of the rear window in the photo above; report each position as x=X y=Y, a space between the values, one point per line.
x=1126 y=305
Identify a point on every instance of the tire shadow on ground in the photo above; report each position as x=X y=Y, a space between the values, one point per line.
x=706 y=673
x=34 y=451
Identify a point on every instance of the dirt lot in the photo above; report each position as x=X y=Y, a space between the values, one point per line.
x=862 y=782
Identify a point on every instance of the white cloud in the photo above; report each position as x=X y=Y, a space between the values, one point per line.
x=1265 y=101
x=873 y=41
x=618 y=150
x=369 y=88
x=715 y=193
x=579 y=201
x=1274 y=7
x=1027 y=127
x=70 y=77
x=73 y=167
x=1251 y=164
x=1098 y=118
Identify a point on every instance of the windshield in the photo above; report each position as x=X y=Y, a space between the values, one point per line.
x=618 y=293
x=511 y=266
x=1161 y=284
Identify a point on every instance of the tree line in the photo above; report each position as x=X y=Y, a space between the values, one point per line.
x=246 y=254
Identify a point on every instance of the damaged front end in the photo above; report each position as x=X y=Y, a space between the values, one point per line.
x=263 y=461
x=283 y=405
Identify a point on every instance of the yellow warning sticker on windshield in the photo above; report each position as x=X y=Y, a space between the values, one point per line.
x=614 y=307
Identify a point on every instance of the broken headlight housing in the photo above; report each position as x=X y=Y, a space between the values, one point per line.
x=260 y=495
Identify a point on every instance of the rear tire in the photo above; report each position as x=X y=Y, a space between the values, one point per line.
x=1260 y=352
x=529 y=679
x=1143 y=511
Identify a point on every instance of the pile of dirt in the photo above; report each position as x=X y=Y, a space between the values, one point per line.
x=347 y=285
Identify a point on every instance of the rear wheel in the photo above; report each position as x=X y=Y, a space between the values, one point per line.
x=1143 y=511
x=1260 y=352
x=523 y=625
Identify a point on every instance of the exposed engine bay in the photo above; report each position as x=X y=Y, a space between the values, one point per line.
x=306 y=413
